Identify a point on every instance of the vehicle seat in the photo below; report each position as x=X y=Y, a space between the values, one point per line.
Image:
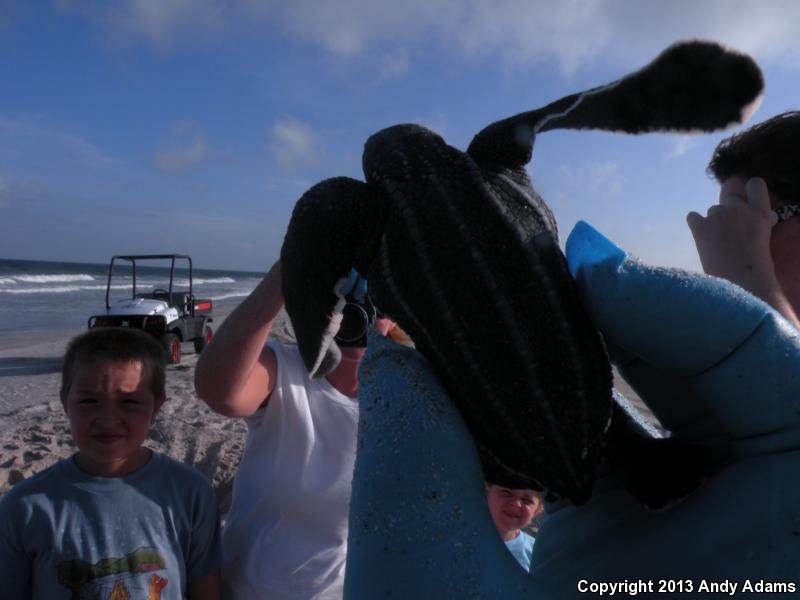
x=180 y=300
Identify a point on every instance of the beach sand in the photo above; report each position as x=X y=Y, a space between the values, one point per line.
x=34 y=432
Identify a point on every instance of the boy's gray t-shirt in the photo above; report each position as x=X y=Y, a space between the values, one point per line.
x=66 y=534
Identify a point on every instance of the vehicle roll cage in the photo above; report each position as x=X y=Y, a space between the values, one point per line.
x=132 y=258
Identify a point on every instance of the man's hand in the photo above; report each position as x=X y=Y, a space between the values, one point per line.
x=733 y=238
x=733 y=241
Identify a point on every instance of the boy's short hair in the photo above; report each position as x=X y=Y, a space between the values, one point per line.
x=116 y=344
x=770 y=150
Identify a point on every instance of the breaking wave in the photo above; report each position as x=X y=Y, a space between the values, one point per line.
x=61 y=278
x=61 y=289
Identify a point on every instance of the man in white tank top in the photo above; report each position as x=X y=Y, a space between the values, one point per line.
x=286 y=533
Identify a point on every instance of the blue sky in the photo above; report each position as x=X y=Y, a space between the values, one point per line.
x=193 y=126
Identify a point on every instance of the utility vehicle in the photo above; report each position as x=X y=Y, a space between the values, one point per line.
x=170 y=313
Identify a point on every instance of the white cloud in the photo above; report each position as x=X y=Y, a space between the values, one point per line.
x=436 y=122
x=16 y=132
x=349 y=27
x=518 y=32
x=286 y=185
x=292 y=143
x=186 y=147
x=158 y=21
x=605 y=176
x=601 y=177
x=393 y=65
x=764 y=29
x=524 y=32
x=627 y=31
x=16 y=192
x=680 y=146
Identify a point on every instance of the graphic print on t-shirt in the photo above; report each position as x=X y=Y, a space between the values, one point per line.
x=130 y=577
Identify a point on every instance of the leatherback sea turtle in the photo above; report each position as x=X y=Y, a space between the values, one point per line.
x=461 y=251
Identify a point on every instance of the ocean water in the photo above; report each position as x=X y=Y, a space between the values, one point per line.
x=38 y=296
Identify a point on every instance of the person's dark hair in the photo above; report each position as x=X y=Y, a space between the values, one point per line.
x=770 y=150
x=116 y=344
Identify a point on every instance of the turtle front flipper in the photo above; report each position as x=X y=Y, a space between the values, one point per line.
x=691 y=86
x=323 y=243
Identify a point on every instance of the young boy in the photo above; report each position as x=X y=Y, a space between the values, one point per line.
x=511 y=510
x=115 y=520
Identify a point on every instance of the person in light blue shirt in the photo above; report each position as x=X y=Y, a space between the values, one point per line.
x=115 y=520
x=512 y=510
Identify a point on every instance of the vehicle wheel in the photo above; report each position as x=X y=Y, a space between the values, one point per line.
x=172 y=344
x=201 y=342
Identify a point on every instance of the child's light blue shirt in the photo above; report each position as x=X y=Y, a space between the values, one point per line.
x=522 y=549
x=65 y=534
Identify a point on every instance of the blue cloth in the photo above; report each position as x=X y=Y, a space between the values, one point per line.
x=716 y=365
x=419 y=523
x=521 y=547
x=355 y=285
x=65 y=534
x=727 y=355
